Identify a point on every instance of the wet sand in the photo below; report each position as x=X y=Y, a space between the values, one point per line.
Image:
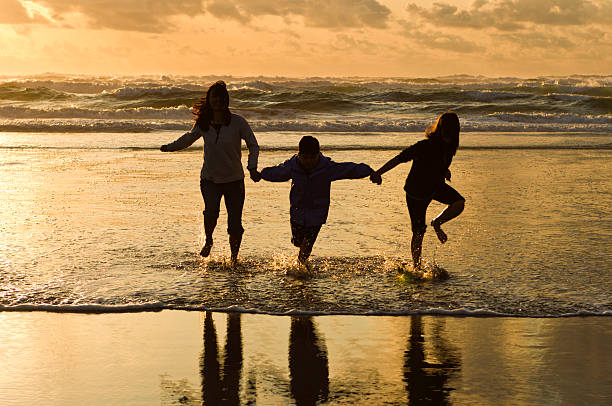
x=180 y=357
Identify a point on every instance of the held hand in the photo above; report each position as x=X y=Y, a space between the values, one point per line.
x=375 y=178
x=447 y=176
x=163 y=148
x=255 y=175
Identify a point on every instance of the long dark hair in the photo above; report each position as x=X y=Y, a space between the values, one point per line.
x=446 y=126
x=203 y=111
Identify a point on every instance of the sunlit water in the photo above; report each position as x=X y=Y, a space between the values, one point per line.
x=192 y=358
x=103 y=222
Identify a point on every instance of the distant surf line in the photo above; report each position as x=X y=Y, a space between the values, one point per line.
x=263 y=148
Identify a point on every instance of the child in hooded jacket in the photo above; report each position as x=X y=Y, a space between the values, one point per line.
x=311 y=175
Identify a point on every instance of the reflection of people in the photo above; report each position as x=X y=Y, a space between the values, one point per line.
x=426 y=382
x=209 y=364
x=311 y=174
x=222 y=174
x=222 y=388
x=431 y=161
x=307 y=363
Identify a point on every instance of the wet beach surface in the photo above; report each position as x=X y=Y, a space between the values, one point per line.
x=195 y=358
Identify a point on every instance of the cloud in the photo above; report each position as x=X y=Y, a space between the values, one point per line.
x=538 y=40
x=438 y=40
x=128 y=15
x=447 y=42
x=344 y=43
x=513 y=15
x=156 y=15
x=13 y=12
x=335 y=14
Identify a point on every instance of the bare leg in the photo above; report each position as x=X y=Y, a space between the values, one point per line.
x=416 y=246
x=448 y=214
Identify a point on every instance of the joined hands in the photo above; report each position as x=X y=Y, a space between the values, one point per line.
x=255 y=175
x=375 y=178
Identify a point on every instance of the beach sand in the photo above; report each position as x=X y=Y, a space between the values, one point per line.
x=180 y=357
x=90 y=222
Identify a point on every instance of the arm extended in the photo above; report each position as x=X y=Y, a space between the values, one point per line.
x=184 y=141
x=392 y=163
x=278 y=173
x=349 y=170
x=404 y=156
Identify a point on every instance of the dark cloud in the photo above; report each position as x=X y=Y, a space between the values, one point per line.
x=532 y=40
x=439 y=40
x=436 y=39
x=128 y=15
x=344 y=42
x=334 y=14
x=155 y=15
x=512 y=15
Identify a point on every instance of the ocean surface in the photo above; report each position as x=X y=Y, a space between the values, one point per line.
x=60 y=103
x=96 y=219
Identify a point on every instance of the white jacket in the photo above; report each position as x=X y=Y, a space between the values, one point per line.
x=222 y=154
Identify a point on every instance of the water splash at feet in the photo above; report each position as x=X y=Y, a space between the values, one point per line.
x=426 y=272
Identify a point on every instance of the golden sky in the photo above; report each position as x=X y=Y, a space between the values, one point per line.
x=307 y=37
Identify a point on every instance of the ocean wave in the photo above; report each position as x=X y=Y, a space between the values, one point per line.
x=309 y=96
x=83 y=86
x=499 y=122
x=178 y=112
x=148 y=103
x=544 y=118
x=148 y=91
x=382 y=126
x=556 y=88
x=92 y=126
x=12 y=92
x=158 y=306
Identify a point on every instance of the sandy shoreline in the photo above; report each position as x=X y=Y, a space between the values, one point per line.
x=180 y=357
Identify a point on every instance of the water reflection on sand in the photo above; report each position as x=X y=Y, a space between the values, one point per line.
x=426 y=373
x=192 y=358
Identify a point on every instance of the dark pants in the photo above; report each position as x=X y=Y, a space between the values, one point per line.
x=418 y=207
x=233 y=193
x=304 y=238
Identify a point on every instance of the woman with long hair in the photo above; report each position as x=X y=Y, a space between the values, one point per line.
x=426 y=181
x=222 y=174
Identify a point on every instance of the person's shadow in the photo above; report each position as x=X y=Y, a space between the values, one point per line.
x=221 y=387
x=308 y=367
x=427 y=382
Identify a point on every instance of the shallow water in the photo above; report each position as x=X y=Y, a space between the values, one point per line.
x=192 y=358
x=105 y=220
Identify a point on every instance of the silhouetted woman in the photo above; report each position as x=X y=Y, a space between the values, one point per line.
x=222 y=174
x=426 y=181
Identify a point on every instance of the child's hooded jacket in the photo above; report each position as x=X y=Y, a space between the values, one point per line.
x=310 y=192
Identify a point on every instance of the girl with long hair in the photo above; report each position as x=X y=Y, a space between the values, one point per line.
x=222 y=174
x=426 y=181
